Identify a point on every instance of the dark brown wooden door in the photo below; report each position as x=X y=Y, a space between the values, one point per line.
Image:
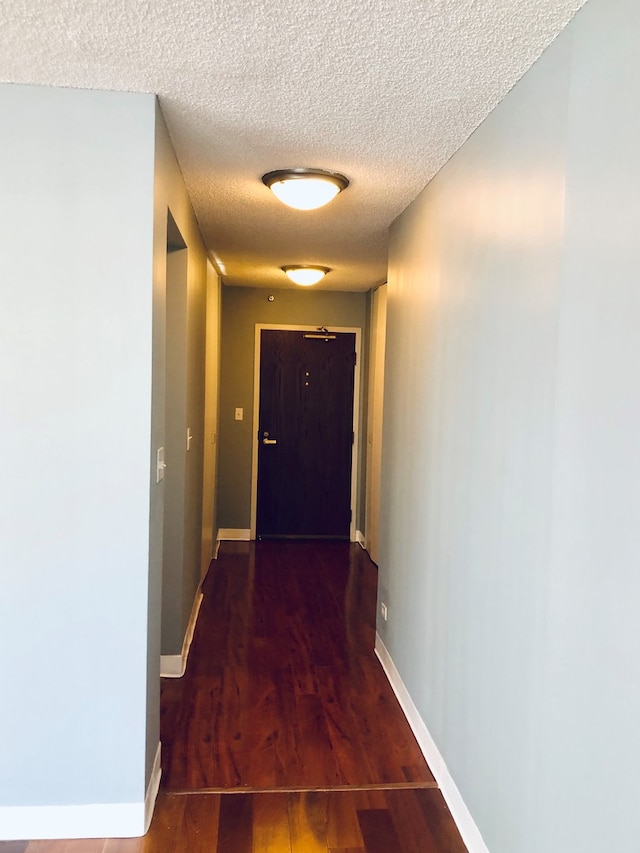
x=305 y=434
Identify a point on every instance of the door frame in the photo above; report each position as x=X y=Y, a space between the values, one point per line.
x=355 y=450
x=375 y=408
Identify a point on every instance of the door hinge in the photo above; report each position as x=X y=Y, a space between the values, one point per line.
x=355 y=358
x=353 y=437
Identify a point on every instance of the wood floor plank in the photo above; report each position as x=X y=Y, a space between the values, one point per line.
x=379 y=832
x=414 y=831
x=261 y=730
x=235 y=830
x=166 y=826
x=201 y=822
x=231 y=726
x=195 y=754
x=350 y=754
x=271 y=824
x=289 y=770
x=423 y=822
x=314 y=746
x=343 y=828
x=308 y=822
x=193 y=712
x=440 y=822
x=383 y=729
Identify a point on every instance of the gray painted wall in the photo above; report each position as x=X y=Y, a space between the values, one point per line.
x=509 y=544
x=242 y=308
x=591 y=699
x=184 y=379
x=87 y=179
x=175 y=430
x=75 y=367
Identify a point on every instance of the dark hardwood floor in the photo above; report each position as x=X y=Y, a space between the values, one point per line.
x=284 y=735
x=413 y=820
x=283 y=690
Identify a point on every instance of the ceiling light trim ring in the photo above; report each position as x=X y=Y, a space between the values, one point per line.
x=305 y=189
x=300 y=173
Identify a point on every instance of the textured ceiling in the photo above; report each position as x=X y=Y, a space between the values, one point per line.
x=383 y=91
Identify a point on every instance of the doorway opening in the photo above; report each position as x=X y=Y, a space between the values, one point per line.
x=172 y=621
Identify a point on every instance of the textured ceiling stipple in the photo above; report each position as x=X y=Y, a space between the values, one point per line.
x=383 y=91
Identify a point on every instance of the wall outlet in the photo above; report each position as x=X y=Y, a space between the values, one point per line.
x=383 y=610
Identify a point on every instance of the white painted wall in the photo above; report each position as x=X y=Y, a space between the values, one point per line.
x=76 y=172
x=509 y=532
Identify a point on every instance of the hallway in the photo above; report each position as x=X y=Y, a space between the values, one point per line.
x=284 y=736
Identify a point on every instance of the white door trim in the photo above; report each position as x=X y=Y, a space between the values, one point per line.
x=355 y=450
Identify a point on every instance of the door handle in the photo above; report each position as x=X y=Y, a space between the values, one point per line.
x=267 y=440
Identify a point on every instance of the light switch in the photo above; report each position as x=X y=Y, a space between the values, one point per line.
x=239 y=413
x=160 y=464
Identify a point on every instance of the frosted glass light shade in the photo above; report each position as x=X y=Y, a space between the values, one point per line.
x=305 y=275
x=305 y=195
x=305 y=189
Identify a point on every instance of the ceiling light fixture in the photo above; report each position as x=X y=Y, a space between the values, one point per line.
x=305 y=274
x=305 y=189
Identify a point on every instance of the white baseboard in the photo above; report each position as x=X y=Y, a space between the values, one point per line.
x=99 y=820
x=237 y=534
x=459 y=811
x=174 y=666
x=153 y=788
x=216 y=550
x=171 y=666
x=360 y=539
x=95 y=820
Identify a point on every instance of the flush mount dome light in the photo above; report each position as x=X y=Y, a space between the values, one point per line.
x=305 y=189
x=305 y=274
